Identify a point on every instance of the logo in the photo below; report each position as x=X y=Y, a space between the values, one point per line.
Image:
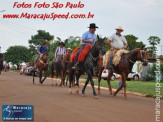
x=17 y=112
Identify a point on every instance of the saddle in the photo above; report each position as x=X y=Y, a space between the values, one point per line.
x=82 y=54
x=116 y=57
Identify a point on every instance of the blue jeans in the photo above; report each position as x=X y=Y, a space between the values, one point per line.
x=77 y=54
x=110 y=60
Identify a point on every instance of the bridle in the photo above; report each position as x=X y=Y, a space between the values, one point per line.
x=141 y=56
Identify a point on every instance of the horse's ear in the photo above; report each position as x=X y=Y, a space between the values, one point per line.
x=104 y=38
x=98 y=37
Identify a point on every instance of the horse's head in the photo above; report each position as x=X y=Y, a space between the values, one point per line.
x=67 y=56
x=142 y=56
x=100 y=45
x=45 y=56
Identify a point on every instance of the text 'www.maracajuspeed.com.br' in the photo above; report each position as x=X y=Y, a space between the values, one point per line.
x=52 y=16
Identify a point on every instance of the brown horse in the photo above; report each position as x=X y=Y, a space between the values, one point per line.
x=60 y=68
x=41 y=65
x=125 y=67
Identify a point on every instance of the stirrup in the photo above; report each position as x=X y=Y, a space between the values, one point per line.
x=75 y=67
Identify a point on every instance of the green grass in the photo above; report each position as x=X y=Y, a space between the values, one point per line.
x=147 y=88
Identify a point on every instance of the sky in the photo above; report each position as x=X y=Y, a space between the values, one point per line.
x=142 y=18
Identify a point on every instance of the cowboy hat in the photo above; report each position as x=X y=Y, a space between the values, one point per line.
x=92 y=25
x=69 y=49
x=62 y=43
x=119 y=28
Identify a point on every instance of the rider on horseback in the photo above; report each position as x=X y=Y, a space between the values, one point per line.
x=60 y=52
x=88 y=38
x=116 y=42
x=41 y=50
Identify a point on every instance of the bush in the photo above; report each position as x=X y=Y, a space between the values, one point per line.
x=151 y=75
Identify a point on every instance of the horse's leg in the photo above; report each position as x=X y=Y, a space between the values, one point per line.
x=40 y=76
x=123 y=75
x=108 y=80
x=71 y=80
x=61 y=76
x=83 y=90
x=44 y=77
x=77 y=79
x=33 y=76
x=92 y=84
x=99 y=79
x=56 y=80
x=124 y=85
x=52 y=73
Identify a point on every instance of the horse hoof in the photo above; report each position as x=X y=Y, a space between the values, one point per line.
x=83 y=95
x=77 y=92
x=96 y=97
x=70 y=91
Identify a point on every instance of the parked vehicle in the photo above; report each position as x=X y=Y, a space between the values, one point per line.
x=22 y=71
x=28 y=70
x=134 y=75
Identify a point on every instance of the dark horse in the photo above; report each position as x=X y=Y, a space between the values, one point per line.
x=89 y=65
x=1 y=62
x=60 y=68
x=125 y=67
x=41 y=65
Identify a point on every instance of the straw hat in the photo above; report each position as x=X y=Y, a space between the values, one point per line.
x=69 y=49
x=119 y=28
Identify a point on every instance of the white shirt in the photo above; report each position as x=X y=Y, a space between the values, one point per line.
x=117 y=41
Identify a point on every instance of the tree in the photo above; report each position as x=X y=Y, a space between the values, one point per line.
x=71 y=42
x=132 y=42
x=153 y=41
x=40 y=37
x=17 y=55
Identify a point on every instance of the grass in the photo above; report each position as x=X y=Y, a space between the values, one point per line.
x=147 y=88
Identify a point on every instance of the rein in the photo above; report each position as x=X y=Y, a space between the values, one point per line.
x=94 y=59
x=141 y=56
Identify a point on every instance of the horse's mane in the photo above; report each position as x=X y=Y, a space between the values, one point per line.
x=132 y=52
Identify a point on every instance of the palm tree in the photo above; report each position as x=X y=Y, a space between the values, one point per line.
x=153 y=41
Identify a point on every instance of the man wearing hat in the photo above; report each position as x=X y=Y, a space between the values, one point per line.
x=116 y=42
x=60 y=51
x=88 y=38
x=68 y=50
x=41 y=50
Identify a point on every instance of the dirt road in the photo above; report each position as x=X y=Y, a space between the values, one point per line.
x=54 y=104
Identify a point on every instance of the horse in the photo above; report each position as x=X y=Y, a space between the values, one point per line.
x=41 y=65
x=1 y=62
x=60 y=68
x=66 y=60
x=125 y=67
x=89 y=65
